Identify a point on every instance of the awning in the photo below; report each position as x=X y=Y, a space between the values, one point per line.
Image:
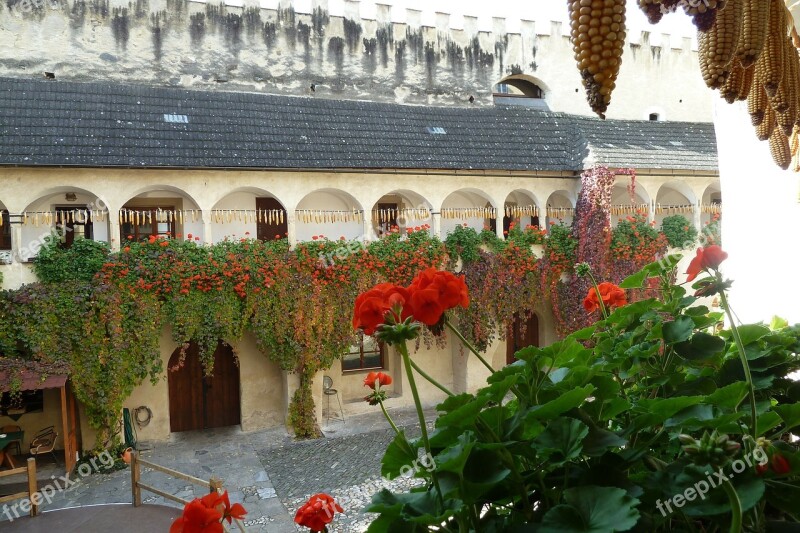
x=34 y=381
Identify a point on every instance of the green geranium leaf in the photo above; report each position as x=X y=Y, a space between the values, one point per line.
x=417 y=507
x=678 y=330
x=749 y=489
x=600 y=440
x=728 y=397
x=462 y=410
x=562 y=436
x=700 y=347
x=778 y=323
x=592 y=509
x=789 y=413
x=400 y=453
x=752 y=332
x=565 y=402
x=455 y=457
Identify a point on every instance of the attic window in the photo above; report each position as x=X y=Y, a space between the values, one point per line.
x=176 y=119
x=655 y=117
x=436 y=130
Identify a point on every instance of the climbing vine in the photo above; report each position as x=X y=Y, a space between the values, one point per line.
x=101 y=315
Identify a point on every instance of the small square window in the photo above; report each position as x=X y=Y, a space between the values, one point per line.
x=368 y=354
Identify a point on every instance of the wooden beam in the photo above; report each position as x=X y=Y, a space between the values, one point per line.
x=174 y=473
x=163 y=494
x=65 y=427
x=136 y=491
x=13 y=471
x=32 y=485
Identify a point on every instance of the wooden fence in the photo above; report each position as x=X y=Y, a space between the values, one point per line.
x=213 y=484
x=30 y=470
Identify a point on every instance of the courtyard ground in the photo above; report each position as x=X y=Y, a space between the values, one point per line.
x=267 y=471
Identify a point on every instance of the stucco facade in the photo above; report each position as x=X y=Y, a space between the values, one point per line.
x=345 y=50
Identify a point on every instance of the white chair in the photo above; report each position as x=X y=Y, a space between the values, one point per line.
x=327 y=388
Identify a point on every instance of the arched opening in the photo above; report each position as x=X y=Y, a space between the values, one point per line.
x=675 y=198
x=522 y=332
x=711 y=215
x=65 y=214
x=520 y=89
x=249 y=213
x=402 y=209
x=560 y=208
x=520 y=209
x=163 y=211
x=623 y=205
x=202 y=402
x=5 y=234
x=331 y=213
x=470 y=208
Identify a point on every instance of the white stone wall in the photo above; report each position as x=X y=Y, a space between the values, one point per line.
x=346 y=50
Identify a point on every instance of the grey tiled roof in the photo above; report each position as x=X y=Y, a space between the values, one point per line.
x=650 y=144
x=106 y=124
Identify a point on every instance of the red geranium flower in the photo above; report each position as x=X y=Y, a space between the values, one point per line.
x=611 y=295
x=378 y=378
x=371 y=307
x=199 y=517
x=317 y=512
x=780 y=465
x=707 y=258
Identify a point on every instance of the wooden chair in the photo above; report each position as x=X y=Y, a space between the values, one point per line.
x=45 y=442
x=15 y=443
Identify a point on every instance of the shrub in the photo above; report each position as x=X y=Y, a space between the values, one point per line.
x=79 y=262
x=679 y=231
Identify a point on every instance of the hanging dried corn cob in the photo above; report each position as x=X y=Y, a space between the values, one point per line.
x=780 y=149
x=718 y=45
x=598 y=36
x=755 y=26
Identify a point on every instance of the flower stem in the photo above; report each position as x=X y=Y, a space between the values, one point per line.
x=736 y=507
x=469 y=345
x=602 y=304
x=389 y=418
x=430 y=379
x=403 y=349
x=745 y=364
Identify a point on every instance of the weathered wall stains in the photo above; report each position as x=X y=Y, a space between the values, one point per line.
x=178 y=42
x=197 y=29
x=119 y=27
x=352 y=34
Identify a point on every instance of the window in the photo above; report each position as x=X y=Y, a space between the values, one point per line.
x=73 y=222
x=146 y=221
x=367 y=354
x=5 y=231
x=654 y=117
x=16 y=405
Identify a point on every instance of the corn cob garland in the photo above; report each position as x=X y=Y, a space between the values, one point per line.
x=748 y=50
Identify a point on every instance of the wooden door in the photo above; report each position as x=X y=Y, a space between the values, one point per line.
x=221 y=391
x=523 y=332
x=185 y=384
x=267 y=230
x=198 y=402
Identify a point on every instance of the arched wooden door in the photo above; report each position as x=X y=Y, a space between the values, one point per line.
x=198 y=402
x=524 y=332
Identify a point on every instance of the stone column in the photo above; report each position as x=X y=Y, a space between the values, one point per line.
x=436 y=224
x=207 y=234
x=651 y=211
x=114 y=236
x=291 y=228
x=696 y=220
x=16 y=241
